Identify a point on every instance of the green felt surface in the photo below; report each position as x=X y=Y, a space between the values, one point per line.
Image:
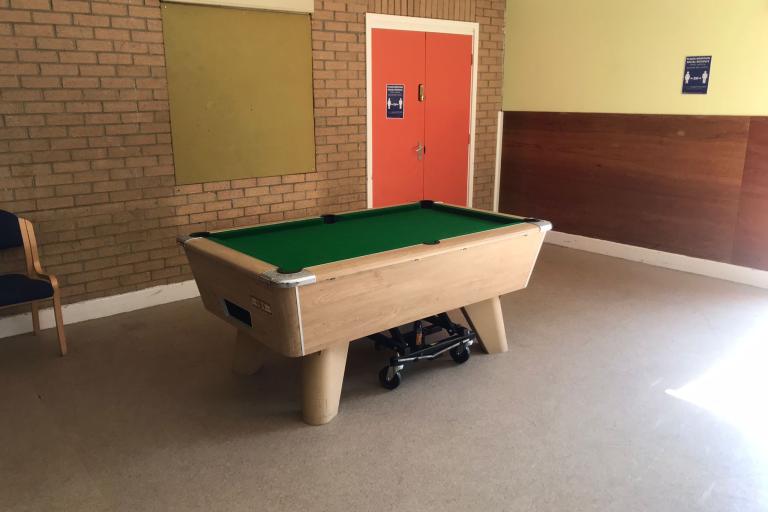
x=295 y=245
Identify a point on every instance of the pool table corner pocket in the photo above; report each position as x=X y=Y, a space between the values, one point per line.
x=284 y=279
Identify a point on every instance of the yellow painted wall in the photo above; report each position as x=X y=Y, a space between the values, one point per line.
x=627 y=56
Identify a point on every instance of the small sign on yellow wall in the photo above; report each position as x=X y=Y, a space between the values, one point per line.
x=696 y=76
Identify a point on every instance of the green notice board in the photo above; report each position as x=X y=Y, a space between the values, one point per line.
x=240 y=86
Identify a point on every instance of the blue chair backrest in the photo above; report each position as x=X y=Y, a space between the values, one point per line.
x=10 y=233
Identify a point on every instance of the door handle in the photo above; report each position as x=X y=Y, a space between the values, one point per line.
x=420 y=149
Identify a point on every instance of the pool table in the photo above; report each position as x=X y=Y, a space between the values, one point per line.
x=306 y=288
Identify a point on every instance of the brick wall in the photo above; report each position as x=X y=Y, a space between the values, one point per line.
x=85 y=145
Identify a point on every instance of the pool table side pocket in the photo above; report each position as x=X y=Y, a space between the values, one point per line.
x=232 y=287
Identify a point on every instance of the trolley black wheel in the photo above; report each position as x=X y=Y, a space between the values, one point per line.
x=460 y=354
x=387 y=381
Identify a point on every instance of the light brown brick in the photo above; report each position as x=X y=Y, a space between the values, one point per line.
x=127 y=169
x=71 y=6
x=143 y=12
x=15 y=16
x=54 y=202
x=108 y=9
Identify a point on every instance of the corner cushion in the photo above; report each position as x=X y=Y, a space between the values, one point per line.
x=18 y=288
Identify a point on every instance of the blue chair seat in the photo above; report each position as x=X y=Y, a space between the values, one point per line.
x=18 y=288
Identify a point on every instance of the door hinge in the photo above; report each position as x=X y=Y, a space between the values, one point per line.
x=421 y=92
x=471 y=59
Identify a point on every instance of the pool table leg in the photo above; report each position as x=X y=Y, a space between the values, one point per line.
x=488 y=322
x=249 y=355
x=322 y=375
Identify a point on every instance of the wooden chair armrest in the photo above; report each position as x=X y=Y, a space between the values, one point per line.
x=33 y=257
x=53 y=280
x=46 y=277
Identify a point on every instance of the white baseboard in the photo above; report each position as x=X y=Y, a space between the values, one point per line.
x=148 y=297
x=709 y=268
x=98 y=308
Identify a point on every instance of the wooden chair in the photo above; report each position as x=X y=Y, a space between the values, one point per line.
x=35 y=286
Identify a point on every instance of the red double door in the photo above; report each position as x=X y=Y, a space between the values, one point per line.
x=421 y=92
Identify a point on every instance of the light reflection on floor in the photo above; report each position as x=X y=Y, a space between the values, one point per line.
x=736 y=391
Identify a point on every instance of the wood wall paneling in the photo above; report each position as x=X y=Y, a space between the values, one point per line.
x=670 y=183
x=750 y=247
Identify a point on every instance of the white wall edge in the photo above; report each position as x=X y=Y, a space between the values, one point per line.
x=709 y=268
x=497 y=167
x=101 y=307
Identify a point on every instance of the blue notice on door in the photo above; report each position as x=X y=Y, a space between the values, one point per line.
x=696 y=76
x=395 y=101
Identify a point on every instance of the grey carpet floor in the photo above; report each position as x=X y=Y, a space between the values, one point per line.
x=596 y=407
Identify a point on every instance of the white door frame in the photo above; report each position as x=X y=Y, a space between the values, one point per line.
x=387 y=21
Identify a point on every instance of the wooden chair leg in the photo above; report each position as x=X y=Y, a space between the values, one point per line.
x=59 y=323
x=35 y=318
x=322 y=376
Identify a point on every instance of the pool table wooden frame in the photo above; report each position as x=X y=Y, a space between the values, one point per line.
x=315 y=313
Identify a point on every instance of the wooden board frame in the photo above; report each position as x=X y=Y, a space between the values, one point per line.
x=299 y=6
x=230 y=120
